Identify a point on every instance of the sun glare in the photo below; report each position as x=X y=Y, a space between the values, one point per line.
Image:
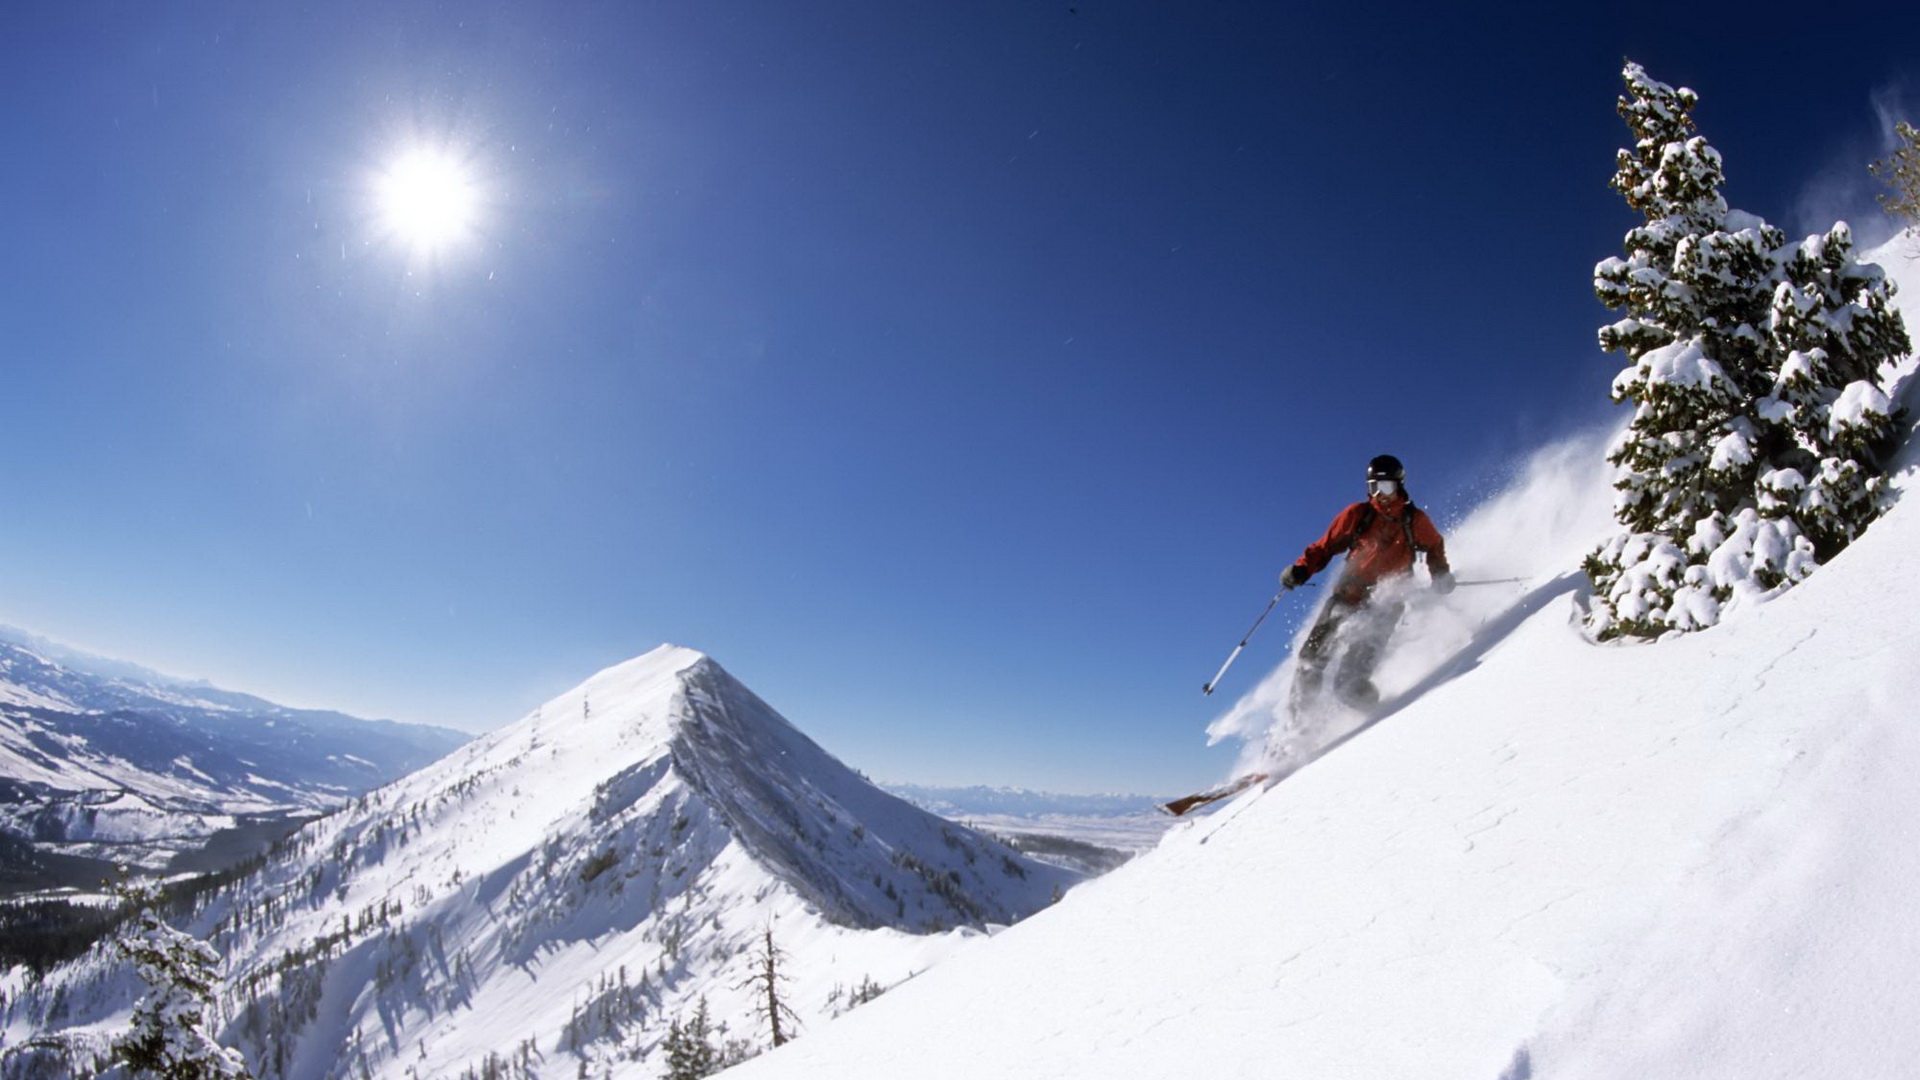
x=427 y=200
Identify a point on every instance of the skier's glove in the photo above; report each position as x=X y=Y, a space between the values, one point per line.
x=1293 y=577
x=1443 y=582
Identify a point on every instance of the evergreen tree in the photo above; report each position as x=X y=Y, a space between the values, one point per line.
x=1757 y=379
x=169 y=1038
x=1832 y=329
x=690 y=1050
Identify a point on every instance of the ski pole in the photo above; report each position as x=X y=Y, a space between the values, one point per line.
x=1493 y=581
x=1235 y=654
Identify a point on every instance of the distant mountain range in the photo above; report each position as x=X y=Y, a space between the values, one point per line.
x=1091 y=834
x=562 y=890
x=979 y=799
x=105 y=762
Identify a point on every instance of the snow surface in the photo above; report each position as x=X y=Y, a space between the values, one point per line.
x=1545 y=858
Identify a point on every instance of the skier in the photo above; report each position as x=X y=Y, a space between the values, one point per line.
x=1380 y=537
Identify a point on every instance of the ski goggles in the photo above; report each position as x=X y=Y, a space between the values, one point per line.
x=1382 y=487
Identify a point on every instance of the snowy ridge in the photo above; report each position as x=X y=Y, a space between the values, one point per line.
x=564 y=888
x=1547 y=859
x=765 y=776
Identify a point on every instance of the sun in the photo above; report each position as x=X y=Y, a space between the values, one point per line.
x=427 y=199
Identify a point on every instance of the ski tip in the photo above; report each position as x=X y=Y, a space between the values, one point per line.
x=1183 y=806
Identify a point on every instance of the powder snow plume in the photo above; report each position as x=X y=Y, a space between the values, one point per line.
x=1537 y=529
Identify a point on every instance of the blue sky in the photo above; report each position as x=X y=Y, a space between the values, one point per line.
x=958 y=375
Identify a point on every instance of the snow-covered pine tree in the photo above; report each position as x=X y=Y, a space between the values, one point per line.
x=1832 y=331
x=1691 y=286
x=169 y=1037
x=1756 y=373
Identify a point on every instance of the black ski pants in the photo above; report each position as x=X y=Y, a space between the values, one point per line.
x=1349 y=637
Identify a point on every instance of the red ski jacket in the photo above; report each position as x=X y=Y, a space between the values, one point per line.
x=1380 y=538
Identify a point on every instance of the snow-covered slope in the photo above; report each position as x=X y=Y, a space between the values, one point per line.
x=556 y=893
x=104 y=759
x=1548 y=859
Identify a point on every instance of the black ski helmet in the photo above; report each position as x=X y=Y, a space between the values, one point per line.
x=1387 y=467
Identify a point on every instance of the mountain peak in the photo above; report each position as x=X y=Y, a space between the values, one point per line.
x=663 y=661
x=672 y=726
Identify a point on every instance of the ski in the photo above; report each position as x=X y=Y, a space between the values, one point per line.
x=1186 y=804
